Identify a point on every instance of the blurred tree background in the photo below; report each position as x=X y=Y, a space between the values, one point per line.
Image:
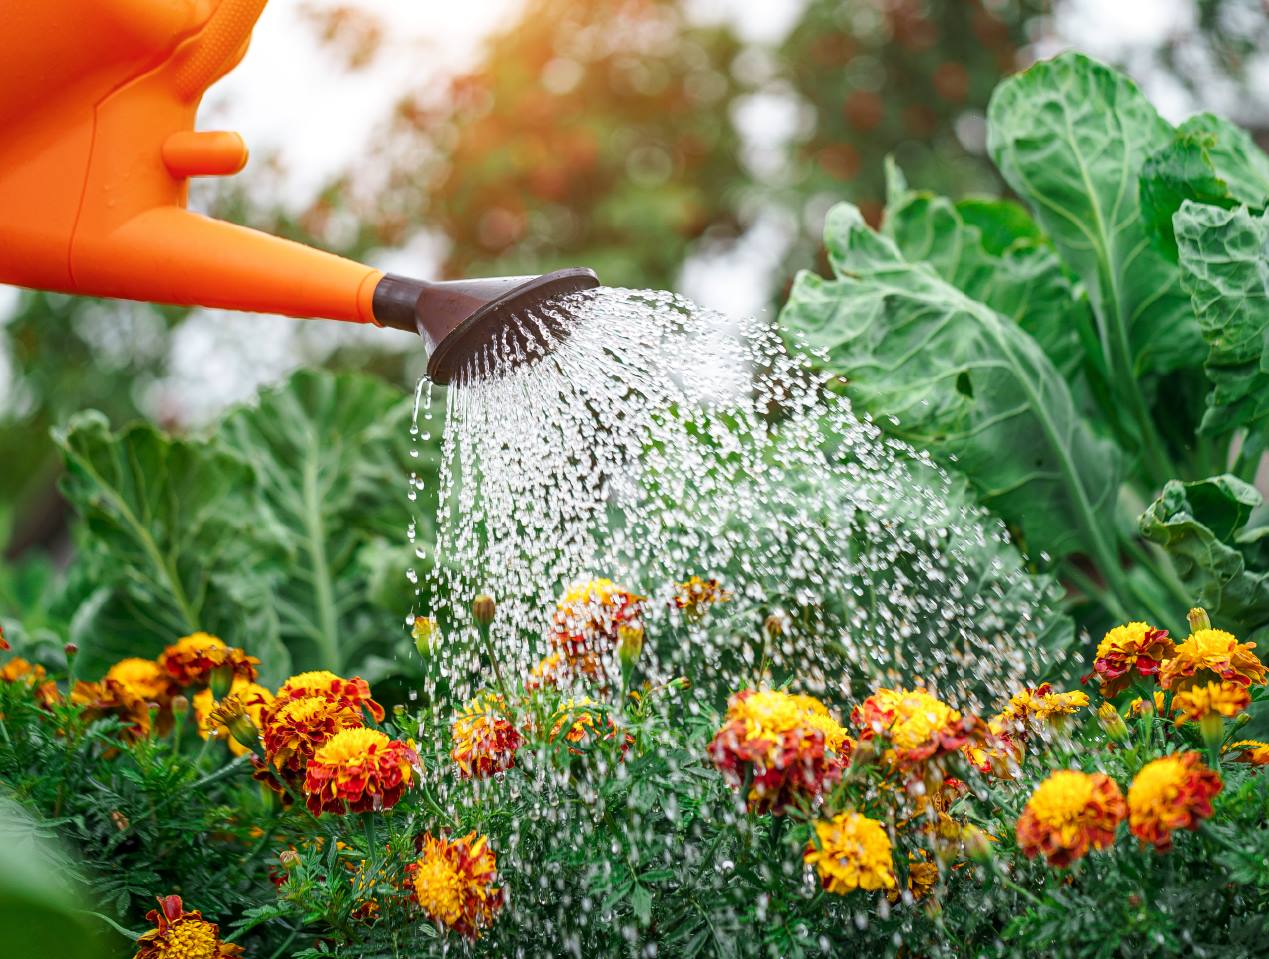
x=634 y=136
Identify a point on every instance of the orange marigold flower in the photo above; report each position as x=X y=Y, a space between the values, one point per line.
x=1031 y=706
x=19 y=670
x=915 y=725
x=923 y=876
x=354 y=694
x=1214 y=699
x=584 y=724
x=144 y=677
x=485 y=741
x=588 y=620
x=191 y=660
x=1132 y=648
x=454 y=880
x=1070 y=813
x=253 y=699
x=1171 y=793
x=293 y=729
x=1212 y=653
x=790 y=744
x=359 y=770
x=850 y=852
x=697 y=595
x=178 y=934
x=111 y=698
x=1251 y=751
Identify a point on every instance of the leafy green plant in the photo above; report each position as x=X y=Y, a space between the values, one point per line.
x=1072 y=358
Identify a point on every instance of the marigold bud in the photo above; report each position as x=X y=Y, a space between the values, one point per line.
x=221 y=681
x=120 y=820
x=483 y=609
x=976 y=843
x=426 y=632
x=289 y=859
x=70 y=649
x=180 y=706
x=1112 y=722
x=1198 y=619
x=1212 y=729
x=232 y=714
x=629 y=643
x=776 y=625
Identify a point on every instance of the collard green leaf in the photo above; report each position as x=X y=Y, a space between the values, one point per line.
x=951 y=375
x=1203 y=526
x=1210 y=161
x=166 y=540
x=331 y=455
x=997 y=257
x=1224 y=257
x=1070 y=136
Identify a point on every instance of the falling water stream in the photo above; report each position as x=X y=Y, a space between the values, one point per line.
x=658 y=441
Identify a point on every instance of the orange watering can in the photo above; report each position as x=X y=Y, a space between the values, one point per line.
x=98 y=100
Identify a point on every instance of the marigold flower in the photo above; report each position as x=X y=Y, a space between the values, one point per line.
x=1171 y=793
x=1251 y=751
x=111 y=698
x=250 y=700
x=697 y=595
x=915 y=725
x=178 y=934
x=583 y=724
x=191 y=660
x=588 y=620
x=359 y=770
x=294 y=729
x=19 y=670
x=1132 y=648
x=144 y=677
x=1070 y=813
x=454 y=880
x=851 y=852
x=923 y=876
x=1212 y=700
x=426 y=633
x=1212 y=653
x=485 y=741
x=353 y=694
x=790 y=743
x=1112 y=722
x=549 y=673
x=1030 y=707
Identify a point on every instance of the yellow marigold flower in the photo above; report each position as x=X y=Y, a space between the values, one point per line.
x=178 y=934
x=426 y=633
x=485 y=740
x=1212 y=653
x=1251 y=751
x=1032 y=706
x=254 y=700
x=851 y=852
x=787 y=745
x=353 y=694
x=144 y=677
x=1070 y=813
x=697 y=595
x=588 y=620
x=915 y=724
x=19 y=670
x=454 y=880
x=923 y=876
x=359 y=770
x=583 y=724
x=111 y=698
x=1139 y=706
x=191 y=660
x=1132 y=648
x=293 y=729
x=1171 y=793
x=1214 y=699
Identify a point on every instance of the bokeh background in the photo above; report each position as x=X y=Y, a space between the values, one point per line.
x=692 y=145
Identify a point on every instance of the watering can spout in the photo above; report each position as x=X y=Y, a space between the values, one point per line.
x=98 y=100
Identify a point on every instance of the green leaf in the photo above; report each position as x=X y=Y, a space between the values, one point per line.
x=1203 y=527
x=330 y=454
x=998 y=257
x=951 y=375
x=1210 y=161
x=165 y=538
x=1070 y=136
x=1224 y=257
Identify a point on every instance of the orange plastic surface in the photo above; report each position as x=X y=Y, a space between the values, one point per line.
x=98 y=100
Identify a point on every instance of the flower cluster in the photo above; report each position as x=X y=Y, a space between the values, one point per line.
x=453 y=883
x=913 y=726
x=587 y=624
x=308 y=710
x=784 y=746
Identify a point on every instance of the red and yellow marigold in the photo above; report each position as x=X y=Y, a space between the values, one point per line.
x=1171 y=793
x=695 y=596
x=1032 y=708
x=178 y=934
x=253 y=699
x=1069 y=814
x=584 y=724
x=913 y=725
x=353 y=694
x=789 y=745
x=359 y=770
x=111 y=698
x=1251 y=751
x=19 y=670
x=849 y=852
x=485 y=740
x=588 y=620
x=294 y=729
x=1208 y=654
x=191 y=660
x=453 y=882
x=145 y=678
x=1211 y=700
x=1132 y=649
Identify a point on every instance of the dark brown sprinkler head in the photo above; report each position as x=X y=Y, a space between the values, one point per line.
x=457 y=318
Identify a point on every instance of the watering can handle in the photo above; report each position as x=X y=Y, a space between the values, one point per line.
x=219 y=42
